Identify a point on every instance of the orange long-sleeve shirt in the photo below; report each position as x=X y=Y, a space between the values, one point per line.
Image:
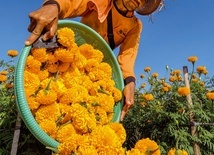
x=126 y=30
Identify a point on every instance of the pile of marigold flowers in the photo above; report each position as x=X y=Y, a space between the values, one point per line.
x=72 y=95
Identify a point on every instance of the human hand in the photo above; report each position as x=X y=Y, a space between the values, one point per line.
x=43 y=20
x=128 y=92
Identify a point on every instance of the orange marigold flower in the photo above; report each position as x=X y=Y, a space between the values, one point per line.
x=65 y=37
x=46 y=96
x=143 y=85
x=39 y=54
x=210 y=95
x=142 y=76
x=184 y=91
x=148 y=97
x=173 y=151
x=4 y=72
x=155 y=75
x=12 y=53
x=3 y=78
x=119 y=130
x=64 y=55
x=165 y=89
x=177 y=72
x=201 y=69
x=147 y=146
x=173 y=78
x=192 y=59
x=147 y=69
x=117 y=94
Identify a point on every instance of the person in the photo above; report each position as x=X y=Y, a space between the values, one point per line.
x=114 y=20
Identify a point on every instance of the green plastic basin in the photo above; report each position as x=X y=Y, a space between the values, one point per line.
x=83 y=34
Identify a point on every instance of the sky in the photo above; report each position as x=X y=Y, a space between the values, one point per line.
x=183 y=28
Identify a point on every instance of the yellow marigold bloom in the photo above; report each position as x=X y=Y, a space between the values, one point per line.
x=3 y=78
x=142 y=76
x=49 y=126
x=201 y=69
x=51 y=57
x=32 y=103
x=117 y=94
x=64 y=132
x=82 y=120
x=46 y=96
x=119 y=130
x=91 y=65
x=106 y=102
x=195 y=80
x=39 y=54
x=143 y=85
x=33 y=65
x=101 y=115
x=165 y=89
x=9 y=85
x=147 y=146
x=79 y=60
x=68 y=96
x=31 y=83
x=143 y=104
x=71 y=144
x=134 y=152
x=48 y=112
x=183 y=91
x=193 y=59
x=43 y=74
x=52 y=67
x=177 y=72
x=12 y=53
x=148 y=97
x=104 y=138
x=210 y=95
x=65 y=37
x=89 y=52
x=86 y=149
x=147 y=69
x=155 y=75
x=63 y=66
x=201 y=83
x=173 y=151
x=4 y=72
x=194 y=76
x=64 y=55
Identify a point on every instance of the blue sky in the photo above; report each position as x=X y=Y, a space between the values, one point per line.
x=184 y=28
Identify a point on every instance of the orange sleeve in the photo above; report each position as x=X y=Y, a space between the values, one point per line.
x=75 y=8
x=129 y=50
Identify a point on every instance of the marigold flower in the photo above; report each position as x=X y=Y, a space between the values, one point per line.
x=89 y=52
x=12 y=53
x=177 y=72
x=4 y=72
x=143 y=85
x=33 y=65
x=63 y=66
x=119 y=130
x=142 y=76
x=64 y=132
x=65 y=37
x=210 y=95
x=155 y=75
x=147 y=69
x=39 y=54
x=201 y=69
x=49 y=126
x=148 y=97
x=64 y=55
x=147 y=146
x=183 y=91
x=165 y=89
x=193 y=59
x=173 y=151
x=82 y=120
x=3 y=78
x=133 y=152
x=46 y=96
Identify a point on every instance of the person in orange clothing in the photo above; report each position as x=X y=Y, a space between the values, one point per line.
x=114 y=20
